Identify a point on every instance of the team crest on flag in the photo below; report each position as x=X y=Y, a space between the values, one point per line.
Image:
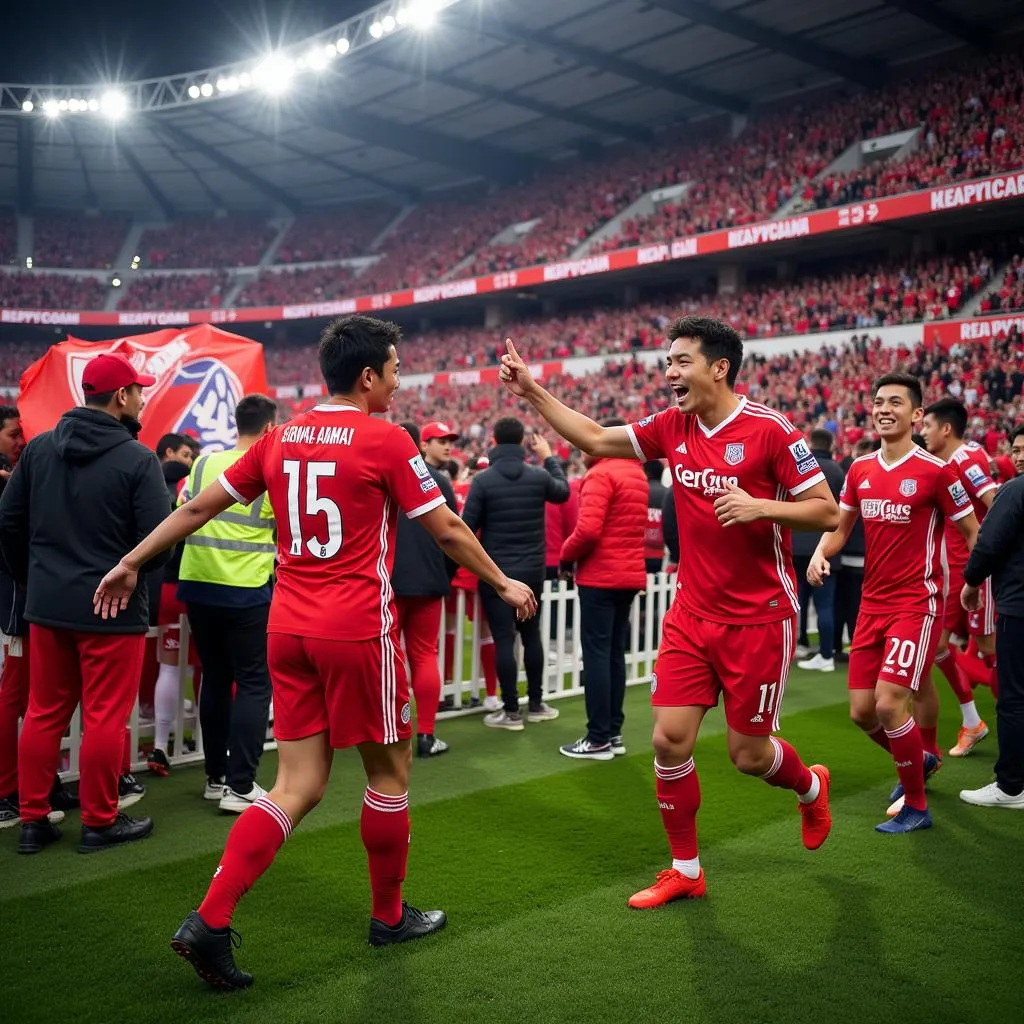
x=734 y=454
x=908 y=488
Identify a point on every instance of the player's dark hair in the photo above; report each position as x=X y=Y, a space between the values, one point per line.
x=100 y=401
x=1017 y=431
x=253 y=413
x=413 y=431
x=193 y=443
x=653 y=468
x=717 y=341
x=8 y=412
x=509 y=430
x=350 y=345
x=903 y=380
x=949 y=410
x=172 y=441
x=822 y=440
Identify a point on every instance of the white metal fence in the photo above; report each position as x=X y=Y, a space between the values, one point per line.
x=562 y=666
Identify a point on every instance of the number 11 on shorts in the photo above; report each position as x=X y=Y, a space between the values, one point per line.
x=768 y=693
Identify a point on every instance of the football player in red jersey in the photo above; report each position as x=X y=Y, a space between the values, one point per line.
x=337 y=477
x=731 y=628
x=903 y=495
x=943 y=429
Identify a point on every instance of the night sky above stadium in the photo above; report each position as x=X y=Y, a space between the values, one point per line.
x=84 y=41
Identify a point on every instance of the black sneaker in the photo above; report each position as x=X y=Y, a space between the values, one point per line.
x=208 y=950
x=10 y=813
x=124 y=830
x=157 y=763
x=415 y=924
x=36 y=835
x=428 y=745
x=62 y=798
x=129 y=791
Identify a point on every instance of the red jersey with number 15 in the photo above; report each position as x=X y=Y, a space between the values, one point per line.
x=903 y=506
x=971 y=464
x=336 y=479
x=738 y=573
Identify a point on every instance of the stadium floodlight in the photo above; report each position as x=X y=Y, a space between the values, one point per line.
x=206 y=89
x=63 y=105
x=51 y=108
x=317 y=58
x=388 y=23
x=274 y=74
x=342 y=46
x=114 y=104
x=74 y=105
x=94 y=105
x=421 y=13
x=376 y=30
x=116 y=283
x=193 y=92
x=28 y=106
x=244 y=80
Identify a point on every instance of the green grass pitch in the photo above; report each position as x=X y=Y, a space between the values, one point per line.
x=533 y=857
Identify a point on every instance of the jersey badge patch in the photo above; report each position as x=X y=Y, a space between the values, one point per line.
x=734 y=454
x=975 y=474
x=419 y=467
x=908 y=487
x=958 y=494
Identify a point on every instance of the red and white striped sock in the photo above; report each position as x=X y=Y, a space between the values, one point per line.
x=384 y=828
x=908 y=754
x=252 y=845
x=877 y=735
x=678 y=791
x=789 y=772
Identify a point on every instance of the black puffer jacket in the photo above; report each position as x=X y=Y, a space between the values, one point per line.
x=506 y=504
x=12 y=597
x=82 y=496
x=421 y=568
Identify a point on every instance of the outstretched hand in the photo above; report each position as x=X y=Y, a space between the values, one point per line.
x=514 y=372
x=115 y=591
x=520 y=597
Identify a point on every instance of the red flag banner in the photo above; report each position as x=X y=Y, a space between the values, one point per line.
x=201 y=373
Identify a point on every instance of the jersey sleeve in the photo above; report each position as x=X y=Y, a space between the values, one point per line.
x=795 y=466
x=848 y=495
x=976 y=479
x=951 y=496
x=648 y=436
x=407 y=477
x=245 y=481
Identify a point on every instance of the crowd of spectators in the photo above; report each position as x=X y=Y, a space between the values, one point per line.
x=174 y=291
x=334 y=234
x=220 y=242
x=309 y=284
x=8 y=236
x=86 y=243
x=34 y=289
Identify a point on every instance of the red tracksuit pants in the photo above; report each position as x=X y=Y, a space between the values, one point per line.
x=419 y=620
x=13 y=704
x=100 y=670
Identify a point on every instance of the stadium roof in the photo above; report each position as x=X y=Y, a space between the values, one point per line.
x=493 y=92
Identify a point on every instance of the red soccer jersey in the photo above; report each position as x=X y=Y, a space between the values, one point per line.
x=903 y=507
x=740 y=573
x=336 y=480
x=971 y=464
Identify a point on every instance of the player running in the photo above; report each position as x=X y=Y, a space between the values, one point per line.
x=336 y=477
x=902 y=494
x=943 y=429
x=731 y=628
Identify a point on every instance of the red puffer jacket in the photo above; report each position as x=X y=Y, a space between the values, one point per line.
x=608 y=542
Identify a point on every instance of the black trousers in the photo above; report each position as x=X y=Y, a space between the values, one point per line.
x=849 y=583
x=504 y=625
x=604 y=634
x=1010 y=705
x=232 y=644
x=551 y=573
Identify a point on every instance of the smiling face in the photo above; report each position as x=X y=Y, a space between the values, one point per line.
x=381 y=389
x=695 y=382
x=894 y=412
x=1017 y=453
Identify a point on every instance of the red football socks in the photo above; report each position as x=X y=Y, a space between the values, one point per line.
x=787 y=770
x=930 y=739
x=488 y=665
x=252 y=844
x=993 y=674
x=908 y=753
x=384 y=827
x=678 y=791
x=948 y=663
x=877 y=735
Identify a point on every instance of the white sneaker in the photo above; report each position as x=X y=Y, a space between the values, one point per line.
x=992 y=796
x=818 y=664
x=214 y=789
x=802 y=651
x=238 y=802
x=503 y=719
x=493 y=703
x=618 y=747
x=542 y=713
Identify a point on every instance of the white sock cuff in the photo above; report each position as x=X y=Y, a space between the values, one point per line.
x=777 y=760
x=384 y=802
x=265 y=804
x=675 y=772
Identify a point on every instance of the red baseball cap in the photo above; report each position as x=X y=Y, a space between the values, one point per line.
x=483 y=462
x=437 y=431
x=110 y=372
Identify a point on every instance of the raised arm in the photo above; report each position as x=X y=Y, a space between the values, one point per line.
x=579 y=430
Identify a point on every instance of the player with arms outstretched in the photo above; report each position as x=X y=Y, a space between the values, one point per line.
x=336 y=477
x=943 y=429
x=903 y=495
x=731 y=628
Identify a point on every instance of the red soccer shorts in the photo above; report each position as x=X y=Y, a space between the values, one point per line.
x=897 y=647
x=451 y=602
x=749 y=664
x=961 y=622
x=356 y=690
x=169 y=620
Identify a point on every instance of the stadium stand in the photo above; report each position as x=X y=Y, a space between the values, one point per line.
x=51 y=291
x=206 y=242
x=8 y=237
x=277 y=287
x=88 y=243
x=175 y=291
x=334 y=234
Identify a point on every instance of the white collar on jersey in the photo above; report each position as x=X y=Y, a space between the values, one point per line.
x=889 y=466
x=711 y=431
x=335 y=408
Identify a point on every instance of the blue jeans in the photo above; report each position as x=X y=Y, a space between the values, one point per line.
x=604 y=634
x=824 y=598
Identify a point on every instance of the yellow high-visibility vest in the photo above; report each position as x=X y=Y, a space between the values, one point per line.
x=236 y=548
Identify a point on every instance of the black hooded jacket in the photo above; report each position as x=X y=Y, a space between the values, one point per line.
x=421 y=568
x=82 y=496
x=12 y=597
x=506 y=504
